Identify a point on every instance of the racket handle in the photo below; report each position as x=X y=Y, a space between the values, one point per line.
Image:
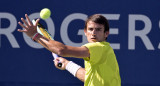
x=59 y=64
x=55 y=56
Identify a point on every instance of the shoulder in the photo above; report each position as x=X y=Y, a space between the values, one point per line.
x=97 y=44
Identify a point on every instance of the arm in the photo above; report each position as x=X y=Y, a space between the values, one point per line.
x=61 y=49
x=79 y=73
x=51 y=45
x=55 y=46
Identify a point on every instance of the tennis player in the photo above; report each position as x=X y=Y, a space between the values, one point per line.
x=101 y=67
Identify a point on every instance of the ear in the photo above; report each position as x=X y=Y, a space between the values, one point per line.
x=85 y=32
x=106 y=34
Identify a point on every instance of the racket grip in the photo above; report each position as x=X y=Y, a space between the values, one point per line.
x=55 y=56
x=59 y=64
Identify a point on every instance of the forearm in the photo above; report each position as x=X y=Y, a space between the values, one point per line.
x=75 y=69
x=81 y=74
x=51 y=45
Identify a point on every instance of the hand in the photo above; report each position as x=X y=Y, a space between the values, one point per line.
x=63 y=61
x=29 y=28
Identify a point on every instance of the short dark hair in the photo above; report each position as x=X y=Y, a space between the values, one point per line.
x=97 y=18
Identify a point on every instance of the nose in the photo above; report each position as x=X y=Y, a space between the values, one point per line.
x=94 y=32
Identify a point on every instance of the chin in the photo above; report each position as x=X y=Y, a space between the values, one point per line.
x=93 y=40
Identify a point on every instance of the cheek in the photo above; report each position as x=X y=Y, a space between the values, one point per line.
x=88 y=33
x=101 y=35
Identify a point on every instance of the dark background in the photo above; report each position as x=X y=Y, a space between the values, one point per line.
x=28 y=66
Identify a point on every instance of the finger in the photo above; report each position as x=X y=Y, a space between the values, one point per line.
x=56 y=63
x=25 y=22
x=61 y=59
x=22 y=25
x=55 y=60
x=29 y=22
x=19 y=30
x=37 y=22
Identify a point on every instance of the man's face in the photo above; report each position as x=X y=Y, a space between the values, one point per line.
x=95 y=32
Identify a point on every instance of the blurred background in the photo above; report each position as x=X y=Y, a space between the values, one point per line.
x=134 y=35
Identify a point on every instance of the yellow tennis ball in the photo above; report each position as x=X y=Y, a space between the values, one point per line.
x=45 y=13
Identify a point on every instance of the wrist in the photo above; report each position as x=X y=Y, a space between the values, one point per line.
x=72 y=67
x=34 y=36
x=66 y=62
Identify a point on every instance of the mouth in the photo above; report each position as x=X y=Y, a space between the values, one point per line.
x=94 y=39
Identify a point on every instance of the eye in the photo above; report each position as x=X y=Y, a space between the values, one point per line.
x=98 y=29
x=90 y=29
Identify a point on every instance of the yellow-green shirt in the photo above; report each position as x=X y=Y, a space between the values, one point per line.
x=101 y=67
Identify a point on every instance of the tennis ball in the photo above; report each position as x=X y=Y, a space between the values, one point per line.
x=45 y=13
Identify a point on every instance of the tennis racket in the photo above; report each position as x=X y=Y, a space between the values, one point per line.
x=41 y=30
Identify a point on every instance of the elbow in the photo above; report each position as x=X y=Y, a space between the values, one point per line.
x=61 y=51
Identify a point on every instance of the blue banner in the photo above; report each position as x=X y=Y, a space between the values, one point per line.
x=134 y=35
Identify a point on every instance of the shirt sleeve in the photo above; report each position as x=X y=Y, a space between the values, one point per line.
x=95 y=51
